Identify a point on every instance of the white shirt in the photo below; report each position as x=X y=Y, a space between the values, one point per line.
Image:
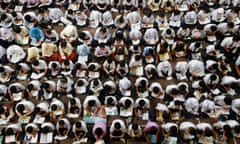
x=192 y=105
x=151 y=36
x=15 y=53
x=123 y=126
x=166 y=67
x=196 y=68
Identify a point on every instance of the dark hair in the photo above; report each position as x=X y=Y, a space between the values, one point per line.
x=35 y=62
x=117 y=125
x=197 y=44
x=28 y=18
x=63 y=43
x=182 y=88
x=3 y=16
x=29 y=129
x=168 y=31
x=91 y=103
x=9 y=131
x=30 y=87
x=70 y=11
x=80 y=83
x=173 y=130
x=127 y=103
x=208 y=132
x=153 y=130
x=54 y=65
x=14 y=14
x=213 y=77
x=72 y=101
x=110 y=101
x=45 y=129
x=61 y=122
x=230 y=24
x=174 y=91
x=228 y=100
x=95 y=82
x=13 y=89
x=134 y=126
x=237 y=129
x=98 y=131
x=18 y=67
x=37 y=110
x=156 y=89
x=54 y=107
x=213 y=28
x=78 y=124
x=142 y=103
x=92 y=67
x=63 y=80
x=192 y=131
x=137 y=57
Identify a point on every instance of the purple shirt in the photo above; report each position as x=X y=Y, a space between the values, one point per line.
x=101 y=125
x=149 y=125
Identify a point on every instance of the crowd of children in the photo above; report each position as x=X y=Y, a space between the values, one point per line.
x=84 y=70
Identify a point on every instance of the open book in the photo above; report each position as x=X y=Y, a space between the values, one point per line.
x=10 y=139
x=46 y=138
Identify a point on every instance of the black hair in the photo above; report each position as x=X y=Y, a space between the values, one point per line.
x=91 y=103
x=134 y=126
x=78 y=65
x=80 y=83
x=117 y=125
x=3 y=16
x=61 y=122
x=70 y=11
x=103 y=29
x=29 y=129
x=63 y=80
x=30 y=87
x=213 y=77
x=54 y=65
x=35 y=62
x=156 y=89
x=45 y=129
x=182 y=88
x=237 y=129
x=177 y=102
x=137 y=57
x=168 y=31
x=110 y=101
x=192 y=131
x=165 y=115
x=18 y=67
x=230 y=24
x=63 y=43
x=98 y=131
x=54 y=107
x=127 y=103
x=78 y=124
x=14 y=14
x=119 y=34
x=9 y=131
x=197 y=44
x=173 y=130
x=174 y=91
x=95 y=82
x=228 y=100
x=208 y=132
x=37 y=110
x=13 y=89
x=72 y=101
x=213 y=28
x=28 y=18
x=142 y=103
x=121 y=20
x=92 y=67
x=153 y=130
x=46 y=85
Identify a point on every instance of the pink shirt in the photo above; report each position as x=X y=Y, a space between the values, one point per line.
x=101 y=125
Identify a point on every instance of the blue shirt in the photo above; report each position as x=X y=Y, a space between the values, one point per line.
x=83 y=50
